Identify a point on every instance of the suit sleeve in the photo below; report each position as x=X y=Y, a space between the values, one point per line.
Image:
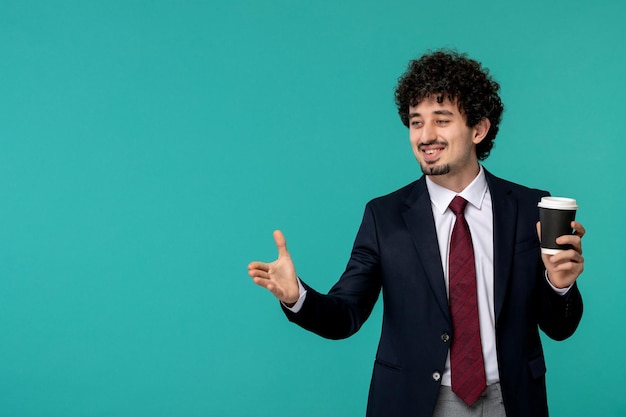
x=560 y=313
x=342 y=312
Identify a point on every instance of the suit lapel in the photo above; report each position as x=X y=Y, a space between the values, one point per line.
x=421 y=225
x=504 y=220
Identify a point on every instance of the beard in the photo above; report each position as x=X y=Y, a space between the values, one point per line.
x=436 y=170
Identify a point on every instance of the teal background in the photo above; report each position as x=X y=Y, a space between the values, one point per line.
x=148 y=149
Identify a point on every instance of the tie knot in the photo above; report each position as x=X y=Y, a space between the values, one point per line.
x=458 y=205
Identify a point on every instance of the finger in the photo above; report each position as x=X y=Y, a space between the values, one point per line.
x=569 y=267
x=568 y=240
x=579 y=230
x=281 y=243
x=270 y=286
x=566 y=257
x=261 y=282
x=256 y=273
x=572 y=240
x=278 y=293
x=539 y=230
x=261 y=266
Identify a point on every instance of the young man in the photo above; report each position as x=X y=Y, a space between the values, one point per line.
x=457 y=256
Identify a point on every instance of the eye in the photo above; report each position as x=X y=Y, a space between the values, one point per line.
x=416 y=123
x=443 y=121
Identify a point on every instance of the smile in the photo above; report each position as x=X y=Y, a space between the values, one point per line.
x=432 y=152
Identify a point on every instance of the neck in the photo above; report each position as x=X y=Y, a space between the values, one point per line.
x=457 y=181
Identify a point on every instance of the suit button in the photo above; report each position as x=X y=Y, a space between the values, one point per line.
x=436 y=376
x=445 y=338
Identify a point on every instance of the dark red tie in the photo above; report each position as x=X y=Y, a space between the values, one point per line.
x=466 y=355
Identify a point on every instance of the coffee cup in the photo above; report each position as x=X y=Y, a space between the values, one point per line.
x=555 y=215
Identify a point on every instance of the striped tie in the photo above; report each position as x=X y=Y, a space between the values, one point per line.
x=466 y=355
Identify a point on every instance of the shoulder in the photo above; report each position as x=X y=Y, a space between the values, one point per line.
x=401 y=196
x=522 y=192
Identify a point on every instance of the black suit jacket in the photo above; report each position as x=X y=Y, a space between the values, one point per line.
x=396 y=250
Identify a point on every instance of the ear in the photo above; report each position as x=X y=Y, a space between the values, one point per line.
x=480 y=130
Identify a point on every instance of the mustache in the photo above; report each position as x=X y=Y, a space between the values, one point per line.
x=434 y=142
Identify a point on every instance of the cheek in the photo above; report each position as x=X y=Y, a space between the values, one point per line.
x=416 y=151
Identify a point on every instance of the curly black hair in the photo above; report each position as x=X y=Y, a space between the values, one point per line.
x=455 y=75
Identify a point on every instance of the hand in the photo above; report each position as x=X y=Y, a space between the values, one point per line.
x=566 y=266
x=279 y=277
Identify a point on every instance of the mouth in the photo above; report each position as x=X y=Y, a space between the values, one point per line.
x=432 y=152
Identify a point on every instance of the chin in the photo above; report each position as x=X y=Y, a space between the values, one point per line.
x=436 y=169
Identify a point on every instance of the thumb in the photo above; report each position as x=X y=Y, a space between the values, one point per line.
x=539 y=230
x=281 y=243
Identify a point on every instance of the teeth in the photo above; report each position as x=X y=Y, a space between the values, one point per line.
x=429 y=152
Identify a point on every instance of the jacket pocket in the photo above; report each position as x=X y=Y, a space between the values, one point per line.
x=387 y=365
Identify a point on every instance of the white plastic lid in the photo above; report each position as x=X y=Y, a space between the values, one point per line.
x=558 y=203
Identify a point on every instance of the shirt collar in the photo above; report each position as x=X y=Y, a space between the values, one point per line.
x=474 y=193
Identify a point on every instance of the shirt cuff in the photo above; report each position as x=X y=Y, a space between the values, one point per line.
x=560 y=291
x=298 y=305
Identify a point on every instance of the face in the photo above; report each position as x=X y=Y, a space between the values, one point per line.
x=443 y=144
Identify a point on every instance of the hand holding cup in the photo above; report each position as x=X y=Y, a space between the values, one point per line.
x=556 y=215
x=561 y=245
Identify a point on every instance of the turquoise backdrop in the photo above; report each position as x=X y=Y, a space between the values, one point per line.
x=148 y=149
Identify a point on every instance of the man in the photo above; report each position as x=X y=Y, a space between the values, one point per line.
x=457 y=256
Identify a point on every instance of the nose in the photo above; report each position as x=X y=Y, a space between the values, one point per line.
x=428 y=134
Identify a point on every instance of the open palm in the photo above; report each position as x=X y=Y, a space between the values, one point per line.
x=279 y=277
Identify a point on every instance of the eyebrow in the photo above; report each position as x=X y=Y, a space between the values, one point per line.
x=437 y=112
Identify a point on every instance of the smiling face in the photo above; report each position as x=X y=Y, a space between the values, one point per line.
x=443 y=144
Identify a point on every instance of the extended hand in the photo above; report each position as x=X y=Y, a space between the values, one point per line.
x=279 y=277
x=565 y=267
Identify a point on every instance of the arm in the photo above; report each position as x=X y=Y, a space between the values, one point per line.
x=349 y=303
x=562 y=313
